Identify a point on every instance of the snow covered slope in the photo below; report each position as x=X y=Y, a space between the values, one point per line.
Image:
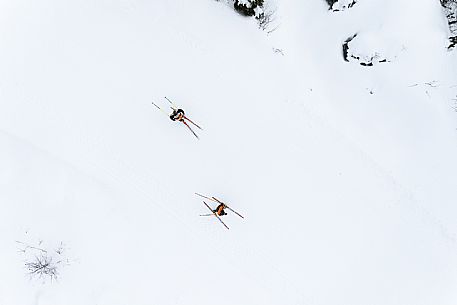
x=346 y=174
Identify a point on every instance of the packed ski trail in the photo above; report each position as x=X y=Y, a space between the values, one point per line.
x=346 y=202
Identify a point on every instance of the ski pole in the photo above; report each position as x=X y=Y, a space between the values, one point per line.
x=160 y=108
x=174 y=106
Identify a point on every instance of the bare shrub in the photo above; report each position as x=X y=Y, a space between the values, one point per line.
x=266 y=20
x=41 y=263
x=42 y=266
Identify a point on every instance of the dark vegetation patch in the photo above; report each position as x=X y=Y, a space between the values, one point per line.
x=343 y=5
x=450 y=10
x=248 y=7
x=346 y=46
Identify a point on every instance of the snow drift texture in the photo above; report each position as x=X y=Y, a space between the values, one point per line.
x=346 y=174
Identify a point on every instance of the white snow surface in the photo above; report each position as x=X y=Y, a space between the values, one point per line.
x=346 y=175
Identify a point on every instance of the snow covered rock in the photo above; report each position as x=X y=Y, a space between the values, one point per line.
x=342 y=5
x=331 y=2
x=369 y=49
x=249 y=7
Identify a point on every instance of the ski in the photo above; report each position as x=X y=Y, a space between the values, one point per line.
x=214 y=199
x=204 y=196
x=234 y=211
x=217 y=200
x=190 y=129
x=217 y=216
x=193 y=123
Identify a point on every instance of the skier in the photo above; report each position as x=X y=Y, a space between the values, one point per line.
x=177 y=115
x=220 y=210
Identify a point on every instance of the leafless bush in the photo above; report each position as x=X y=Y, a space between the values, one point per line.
x=266 y=20
x=41 y=263
x=42 y=266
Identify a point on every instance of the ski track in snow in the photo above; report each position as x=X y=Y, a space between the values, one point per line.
x=408 y=199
